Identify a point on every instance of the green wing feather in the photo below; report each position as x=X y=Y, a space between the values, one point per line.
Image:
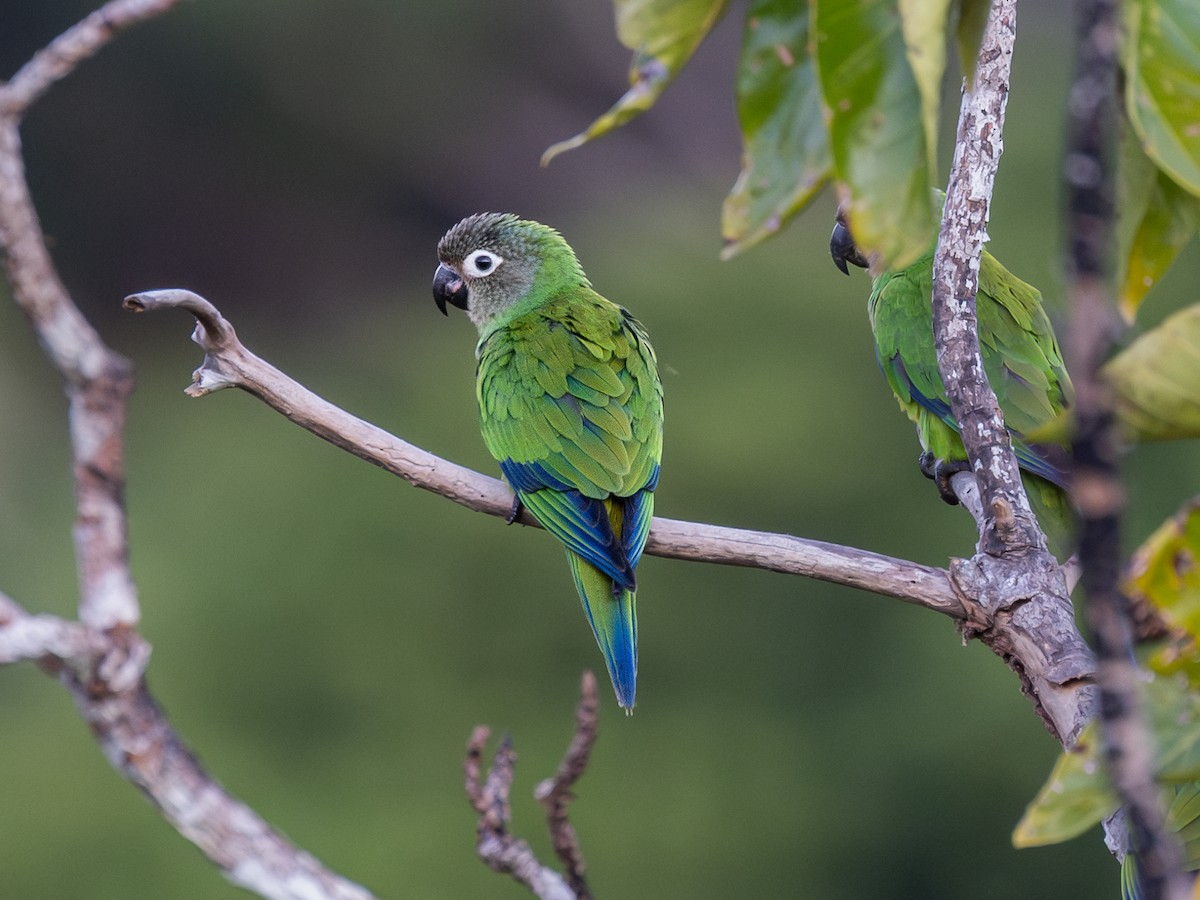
x=571 y=408
x=573 y=386
x=1020 y=354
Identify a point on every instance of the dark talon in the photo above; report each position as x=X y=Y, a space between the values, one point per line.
x=515 y=512
x=941 y=471
x=927 y=461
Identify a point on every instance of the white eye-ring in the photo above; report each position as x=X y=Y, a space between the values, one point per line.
x=481 y=262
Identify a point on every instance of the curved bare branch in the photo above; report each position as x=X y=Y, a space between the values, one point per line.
x=101 y=658
x=227 y=363
x=84 y=39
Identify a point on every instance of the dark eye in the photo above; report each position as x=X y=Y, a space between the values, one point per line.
x=481 y=262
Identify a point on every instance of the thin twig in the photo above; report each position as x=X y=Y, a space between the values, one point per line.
x=43 y=638
x=555 y=793
x=1089 y=172
x=499 y=849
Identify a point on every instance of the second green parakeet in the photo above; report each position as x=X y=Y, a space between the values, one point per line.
x=1020 y=356
x=570 y=405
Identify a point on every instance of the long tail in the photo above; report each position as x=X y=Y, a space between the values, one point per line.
x=613 y=617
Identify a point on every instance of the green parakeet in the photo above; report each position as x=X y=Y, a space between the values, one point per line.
x=1020 y=356
x=570 y=405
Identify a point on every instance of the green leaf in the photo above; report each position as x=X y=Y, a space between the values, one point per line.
x=1157 y=218
x=1179 y=760
x=1162 y=86
x=1164 y=574
x=968 y=33
x=923 y=24
x=876 y=132
x=1174 y=712
x=1155 y=383
x=663 y=35
x=1077 y=794
x=1156 y=380
x=1074 y=798
x=785 y=160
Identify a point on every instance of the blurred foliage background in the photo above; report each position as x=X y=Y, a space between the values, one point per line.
x=325 y=636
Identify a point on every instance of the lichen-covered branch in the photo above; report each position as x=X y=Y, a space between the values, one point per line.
x=98 y=380
x=1089 y=172
x=1030 y=621
x=103 y=671
x=44 y=638
x=977 y=149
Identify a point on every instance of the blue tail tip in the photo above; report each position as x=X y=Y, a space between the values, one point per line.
x=626 y=691
x=622 y=669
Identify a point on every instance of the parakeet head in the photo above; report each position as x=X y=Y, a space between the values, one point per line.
x=842 y=247
x=494 y=265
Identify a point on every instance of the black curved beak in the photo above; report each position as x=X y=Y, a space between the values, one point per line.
x=448 y=287
x=842 y=248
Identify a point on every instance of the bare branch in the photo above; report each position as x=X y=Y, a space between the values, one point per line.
x=72 y=47
x=103 y=671
x=555 y=793
x=98 y=379
x=25 y=637
x=227 y=363
x=141 y=744
x=501 y=851
x=1129 y=752
x=101 y=659
x=979 y=597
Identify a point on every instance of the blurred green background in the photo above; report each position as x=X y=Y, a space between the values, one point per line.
x=325 y=637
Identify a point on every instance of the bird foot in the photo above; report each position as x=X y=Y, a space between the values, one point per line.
x=515 y=512
x=940 y=471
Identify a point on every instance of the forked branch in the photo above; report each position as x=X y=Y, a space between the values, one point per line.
x=497 y=846
x=101 y=658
